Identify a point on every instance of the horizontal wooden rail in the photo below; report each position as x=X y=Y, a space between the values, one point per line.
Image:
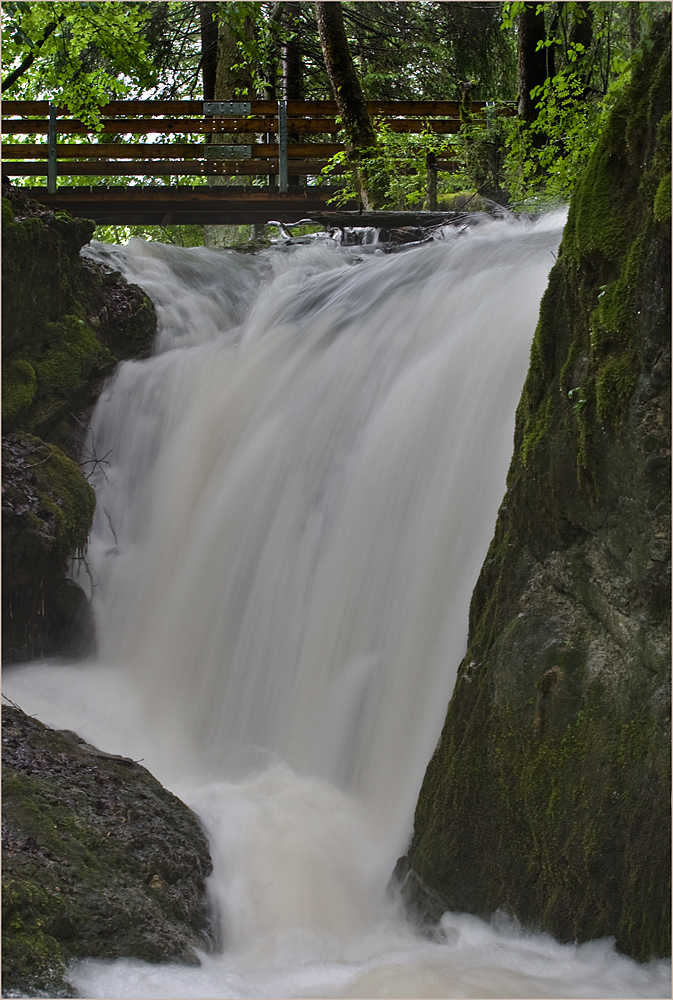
x=125 y=108
x=176 y=168
x=160 y=168
x=104 y=150
x=247 y=126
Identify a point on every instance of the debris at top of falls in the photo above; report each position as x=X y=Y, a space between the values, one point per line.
x=383 y=219
x=391 y=231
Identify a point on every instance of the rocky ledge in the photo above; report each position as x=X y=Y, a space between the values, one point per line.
x=99 y=861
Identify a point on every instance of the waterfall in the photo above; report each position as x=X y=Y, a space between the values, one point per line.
x=295 y=495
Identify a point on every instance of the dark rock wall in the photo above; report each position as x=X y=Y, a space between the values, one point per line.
x=98 y=860
x=65 y=325
x=548 y=795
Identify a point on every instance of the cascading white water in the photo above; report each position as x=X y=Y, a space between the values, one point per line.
x=302 y=485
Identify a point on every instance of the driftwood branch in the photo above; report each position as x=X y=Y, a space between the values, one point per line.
x=385 y=220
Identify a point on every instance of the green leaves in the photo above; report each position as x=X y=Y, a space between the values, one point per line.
x=396 y=166
x=76 y=54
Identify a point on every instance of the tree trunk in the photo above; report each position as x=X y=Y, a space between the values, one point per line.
x=555 y=49
x=292 y=69
x=348 y=94
x=291 y=55
x=207 y=15
x=634 y=26
x=233 y=82
x=582 y=32
x=532 y=63
x=430 y=183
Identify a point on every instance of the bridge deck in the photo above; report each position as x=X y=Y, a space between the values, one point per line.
x=184 y=205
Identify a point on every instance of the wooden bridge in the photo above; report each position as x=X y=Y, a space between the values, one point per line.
x=282 y=145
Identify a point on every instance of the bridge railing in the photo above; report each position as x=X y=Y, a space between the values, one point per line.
x=278 y=139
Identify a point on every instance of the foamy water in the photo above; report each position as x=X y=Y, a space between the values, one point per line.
x=303 y=483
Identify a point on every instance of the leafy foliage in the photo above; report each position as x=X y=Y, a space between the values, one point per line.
x=183 y=236
x=396 y=166
x=544 y=160
x=77 y=54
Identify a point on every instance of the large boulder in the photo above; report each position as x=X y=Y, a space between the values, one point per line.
x=548 y=795
x=98 y=860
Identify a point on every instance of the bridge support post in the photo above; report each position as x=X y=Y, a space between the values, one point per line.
x=51 y=153
x=282 y=147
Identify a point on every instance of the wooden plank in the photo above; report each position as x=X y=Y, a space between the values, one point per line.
x=145 y=126
x=185 y=205
x=175 y=194
x=105 y=150
x=258 y=107
x=161 y=168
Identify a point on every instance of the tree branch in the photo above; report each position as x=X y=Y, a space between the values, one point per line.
x=30 y=58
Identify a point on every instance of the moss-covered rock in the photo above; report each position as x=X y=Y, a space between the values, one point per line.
x=98 y=861
x=548 y=795
x=47 y=507
x=66 y=324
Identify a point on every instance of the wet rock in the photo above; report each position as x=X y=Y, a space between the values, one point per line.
x=548 y=795
x=99 y=860
x=47 y=506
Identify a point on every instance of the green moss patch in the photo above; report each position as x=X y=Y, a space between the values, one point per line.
x=662 y=199
x=19 y=385
x=615 y=383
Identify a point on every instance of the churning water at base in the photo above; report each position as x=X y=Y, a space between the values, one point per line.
x=295 y=496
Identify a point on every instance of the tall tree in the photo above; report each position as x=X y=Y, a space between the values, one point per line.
x=291 y=53
x=292 y=66
x=581 y=38
x=208 y=21
x=532 y=59
x=357 y=123
x=233 y=82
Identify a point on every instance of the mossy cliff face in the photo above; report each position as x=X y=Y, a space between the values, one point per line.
x=98 y=861
x=66 y=324
x=548 y=793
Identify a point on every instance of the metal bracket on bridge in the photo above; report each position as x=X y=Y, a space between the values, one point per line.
x=227 y=152
x=282 y=147
x=52 y=166
x=226 y=109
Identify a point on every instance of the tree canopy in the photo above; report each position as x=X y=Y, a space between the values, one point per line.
x=559 y=63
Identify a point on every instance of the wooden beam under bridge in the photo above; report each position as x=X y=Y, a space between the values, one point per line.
x=183 y=205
